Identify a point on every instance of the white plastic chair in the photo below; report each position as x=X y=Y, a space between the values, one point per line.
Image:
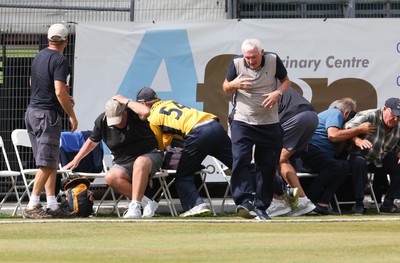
x=164 y=189
x=220 y=168
x=203 y=176
x=13 y=176
x=22 y=147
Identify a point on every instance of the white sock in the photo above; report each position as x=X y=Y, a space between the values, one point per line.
x=33 y=201
x=145 y=201
x=303 y=199
x=52 y=202
x=133 y=202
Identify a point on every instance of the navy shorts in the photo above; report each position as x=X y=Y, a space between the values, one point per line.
x=44 y=130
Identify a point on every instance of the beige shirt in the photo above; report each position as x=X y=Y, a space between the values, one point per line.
x=248 y=102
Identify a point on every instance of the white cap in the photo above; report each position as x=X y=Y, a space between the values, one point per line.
x=57 y=30
x=114 y=112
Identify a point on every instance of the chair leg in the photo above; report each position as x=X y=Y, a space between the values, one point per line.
x=203 y=185
x=337 y=204
x=102 y=200
x=167 y=195
x=224 y=199
x=17 y=198
x=115 y=206
x=371 y=187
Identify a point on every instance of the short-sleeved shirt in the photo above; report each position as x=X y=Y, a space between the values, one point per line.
x=382 y=142
x=326 y=119
x=292 y=103
x=47 y=67
x=170 y=119
x=248 y=102
x=128 y=143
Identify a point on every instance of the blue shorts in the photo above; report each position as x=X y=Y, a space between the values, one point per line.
x=155 y=156
x=44 y=130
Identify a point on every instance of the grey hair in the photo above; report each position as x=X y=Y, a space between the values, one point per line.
x=250 y=44
x=346 y=104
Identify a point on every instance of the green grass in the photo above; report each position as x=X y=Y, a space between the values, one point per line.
x=222 y=239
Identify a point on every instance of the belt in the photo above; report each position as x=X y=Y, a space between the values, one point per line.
x=202 y=123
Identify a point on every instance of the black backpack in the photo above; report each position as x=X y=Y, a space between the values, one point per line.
x=76 y=197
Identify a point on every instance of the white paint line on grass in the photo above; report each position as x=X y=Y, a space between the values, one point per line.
x=199 y=220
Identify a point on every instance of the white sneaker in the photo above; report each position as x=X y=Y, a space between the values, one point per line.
x=304 y=207
x=150 y=209
x=278 y=208
x=133 y=211
x=199 y=210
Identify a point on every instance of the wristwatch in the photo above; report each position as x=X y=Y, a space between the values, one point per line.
x=127 y=103
x=280 y=92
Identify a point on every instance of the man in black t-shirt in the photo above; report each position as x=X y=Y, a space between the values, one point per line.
x=48 y=100
x=124 y=128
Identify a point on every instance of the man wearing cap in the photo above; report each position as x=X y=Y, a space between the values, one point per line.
x=48 y=100
x=377 y=152
x=124 y=128
x=202 y=135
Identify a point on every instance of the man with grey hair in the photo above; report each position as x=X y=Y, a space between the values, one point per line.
x=377 y=152
x=48 y=101
x=323 y=156
x=252 y=79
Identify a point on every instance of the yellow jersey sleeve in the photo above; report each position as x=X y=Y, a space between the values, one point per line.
x=175 y=119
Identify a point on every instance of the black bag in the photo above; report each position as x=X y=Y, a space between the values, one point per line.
x=77 y=198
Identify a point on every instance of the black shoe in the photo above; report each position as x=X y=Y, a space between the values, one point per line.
x=261 y=214
x=392 y=209
x=246 y=210
x=325 y=210
x=358 y=210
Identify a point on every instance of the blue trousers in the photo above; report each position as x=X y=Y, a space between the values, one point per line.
x=332 y=172
x=360 y=169
x=209 y=139
x=267 y=141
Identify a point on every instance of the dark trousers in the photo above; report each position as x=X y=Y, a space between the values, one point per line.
x=209 y=139
x=267 y=141
x=360 y=169
x=332 y=172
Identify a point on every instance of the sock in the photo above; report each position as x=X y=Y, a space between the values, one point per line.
x=145 y=201
x=133 y=202
x=52 y=202
x=33 y=201
x=303 y=199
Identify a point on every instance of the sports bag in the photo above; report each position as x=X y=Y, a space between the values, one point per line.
x=76 y=197
x=171 y=157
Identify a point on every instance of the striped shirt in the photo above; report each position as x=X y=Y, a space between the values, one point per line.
x=382 y=142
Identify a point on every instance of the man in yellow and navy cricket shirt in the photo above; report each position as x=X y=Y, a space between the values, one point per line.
x=202 y=135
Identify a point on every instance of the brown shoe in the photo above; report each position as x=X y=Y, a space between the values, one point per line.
x=37 y=212
x=60 y=212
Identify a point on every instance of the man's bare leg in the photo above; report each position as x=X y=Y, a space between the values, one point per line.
x=287 y=171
